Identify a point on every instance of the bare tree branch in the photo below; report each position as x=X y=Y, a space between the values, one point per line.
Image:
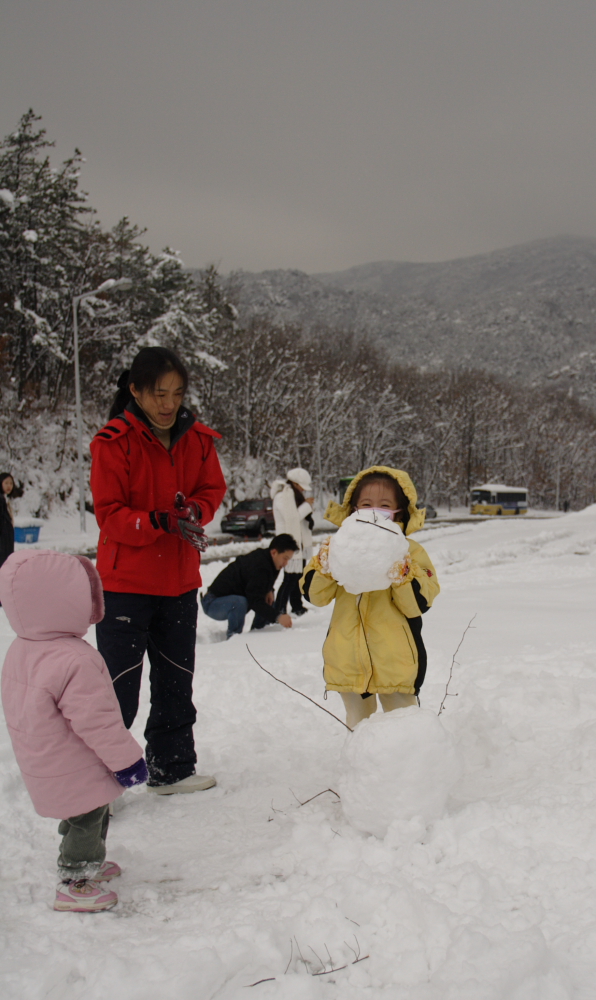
x=324 y=792
x=453 y=662
x=291 y=956
x=298 y=692
x=304 y=962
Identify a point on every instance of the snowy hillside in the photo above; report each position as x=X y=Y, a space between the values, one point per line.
x=243 y=887
x=525 y=312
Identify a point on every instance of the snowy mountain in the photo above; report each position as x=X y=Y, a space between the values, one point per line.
x=527 y=312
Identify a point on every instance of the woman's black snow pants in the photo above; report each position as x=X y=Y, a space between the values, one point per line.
x=165 y=628
x=289 y=590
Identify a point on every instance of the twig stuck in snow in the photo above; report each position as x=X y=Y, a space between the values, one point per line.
x=271 y=979
x=338 y=968
x=333 y=968
x=325 y=972
x=304 y=962
x=356 y=954
x=318 y=958
x=295 y=690
x=324 y=792
x=291 y=956
x=453 y=662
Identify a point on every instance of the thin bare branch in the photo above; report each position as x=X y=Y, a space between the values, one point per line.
x=299 y=692
x=355 y=953
x=338 y=968
x=453 y=662
x=327 y=972
x=291 y=957
x=324 y=792
x=304 y=962
x=318 y=957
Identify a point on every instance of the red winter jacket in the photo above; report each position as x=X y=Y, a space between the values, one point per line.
x=132 y=474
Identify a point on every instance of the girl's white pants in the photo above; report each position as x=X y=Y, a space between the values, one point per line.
x=358 y=708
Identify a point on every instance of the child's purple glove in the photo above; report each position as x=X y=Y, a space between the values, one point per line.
x=136 y=774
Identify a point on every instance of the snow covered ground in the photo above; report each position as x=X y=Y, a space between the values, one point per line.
x=243 y=887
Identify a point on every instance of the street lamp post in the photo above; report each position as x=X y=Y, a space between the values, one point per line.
x=111 y=285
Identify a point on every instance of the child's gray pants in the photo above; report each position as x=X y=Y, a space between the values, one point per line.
x=83 y=847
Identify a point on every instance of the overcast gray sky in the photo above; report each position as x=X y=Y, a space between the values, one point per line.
x=317 y=134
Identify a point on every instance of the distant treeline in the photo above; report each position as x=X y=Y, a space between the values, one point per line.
x=338 y=405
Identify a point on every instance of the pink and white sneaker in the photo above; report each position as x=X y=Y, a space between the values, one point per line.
x=107 y=871
x=84 y=895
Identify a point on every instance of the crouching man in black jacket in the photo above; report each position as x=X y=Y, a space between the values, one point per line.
x=247 y=583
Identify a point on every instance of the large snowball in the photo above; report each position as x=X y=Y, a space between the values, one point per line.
x=395 y=766
x=368 y=553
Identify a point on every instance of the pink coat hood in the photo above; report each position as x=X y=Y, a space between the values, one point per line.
x=61 y=711
x=48 y=594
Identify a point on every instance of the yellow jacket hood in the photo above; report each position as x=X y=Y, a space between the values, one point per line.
x=337 y=513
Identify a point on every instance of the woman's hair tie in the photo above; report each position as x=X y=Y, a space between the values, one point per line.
x=123 y=380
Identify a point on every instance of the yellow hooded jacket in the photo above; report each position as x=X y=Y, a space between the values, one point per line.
x=374 y=642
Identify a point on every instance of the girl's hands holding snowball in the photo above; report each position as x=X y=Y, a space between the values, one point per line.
x=401 y=571
x=322 y=557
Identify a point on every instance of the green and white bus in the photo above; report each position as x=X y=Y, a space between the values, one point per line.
x=494 y=498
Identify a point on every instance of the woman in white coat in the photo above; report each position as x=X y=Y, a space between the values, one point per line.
x=292 y=510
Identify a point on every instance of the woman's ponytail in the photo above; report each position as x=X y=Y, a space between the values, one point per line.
x=122 y=397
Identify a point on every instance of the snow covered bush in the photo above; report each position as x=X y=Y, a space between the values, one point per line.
x=397 y=766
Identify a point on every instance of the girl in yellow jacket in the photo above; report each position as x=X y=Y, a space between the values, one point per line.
x=374 y=644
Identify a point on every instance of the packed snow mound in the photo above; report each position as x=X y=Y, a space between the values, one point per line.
x=395 y=766
x=368 y=553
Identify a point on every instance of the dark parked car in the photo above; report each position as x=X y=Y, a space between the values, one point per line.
x=430 y=510
x=249 y=517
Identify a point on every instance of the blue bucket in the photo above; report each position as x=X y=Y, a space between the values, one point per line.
x=26 y=535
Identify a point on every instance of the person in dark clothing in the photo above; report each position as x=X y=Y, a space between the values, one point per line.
x=6 y=522
x=247 y=584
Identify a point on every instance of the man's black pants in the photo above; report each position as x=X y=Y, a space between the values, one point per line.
x=165 y=628
x=289 y=590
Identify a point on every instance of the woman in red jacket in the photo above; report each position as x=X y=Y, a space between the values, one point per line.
x=156 y=480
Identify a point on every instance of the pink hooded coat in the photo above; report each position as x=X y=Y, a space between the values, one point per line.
x=62 y=714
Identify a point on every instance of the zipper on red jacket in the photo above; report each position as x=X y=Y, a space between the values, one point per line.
x=156 y=441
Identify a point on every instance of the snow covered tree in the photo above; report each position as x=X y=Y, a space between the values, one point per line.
x=51 y=249
x=41 y=209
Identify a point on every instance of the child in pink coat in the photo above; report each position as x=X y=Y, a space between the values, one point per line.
x=64 y=720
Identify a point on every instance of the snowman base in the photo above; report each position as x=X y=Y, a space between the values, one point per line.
x=396 y=766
